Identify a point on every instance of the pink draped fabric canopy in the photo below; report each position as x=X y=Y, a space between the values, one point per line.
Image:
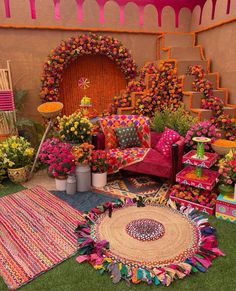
x=177 y=5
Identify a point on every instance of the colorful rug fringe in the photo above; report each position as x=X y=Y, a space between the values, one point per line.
x=97 y=252
x=36 y=234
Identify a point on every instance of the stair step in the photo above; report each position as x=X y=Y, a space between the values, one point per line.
x=231 y=111
x=184 y=40
x=193 y=99
x=182 y=66
x=202 y=114
x=185 y=53
x=188 y=81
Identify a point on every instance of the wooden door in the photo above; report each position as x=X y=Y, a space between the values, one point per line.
x=106 y=81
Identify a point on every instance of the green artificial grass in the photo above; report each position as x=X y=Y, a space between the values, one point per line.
x=71 y=276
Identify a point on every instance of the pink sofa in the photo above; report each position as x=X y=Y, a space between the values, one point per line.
x=154 y=162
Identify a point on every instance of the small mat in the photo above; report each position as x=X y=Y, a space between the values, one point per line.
x=132 y=186
x=36 y=234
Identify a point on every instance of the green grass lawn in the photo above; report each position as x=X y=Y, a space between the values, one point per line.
x=71 y=276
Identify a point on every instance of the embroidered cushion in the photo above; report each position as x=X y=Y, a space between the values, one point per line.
x=168 y=138
x=127 y=137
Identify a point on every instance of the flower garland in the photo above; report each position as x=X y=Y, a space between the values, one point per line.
x=221 y=120
x=85 y=44
x=96 y=252
x=165 y=91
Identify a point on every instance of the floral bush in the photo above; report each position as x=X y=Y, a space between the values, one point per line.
x=48 y=148
x=227 y=169
x=17 y=152
x=225 y=122
x=85 y=44
x=99 y=161
x=203 y=128
x=57 y=155
x=82 y=154
x=75 y=128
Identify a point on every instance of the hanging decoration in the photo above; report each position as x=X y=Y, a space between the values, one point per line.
x=83 y=83
x=70 y=50
x=159 y=6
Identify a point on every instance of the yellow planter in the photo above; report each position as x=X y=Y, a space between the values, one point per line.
x=18 y=175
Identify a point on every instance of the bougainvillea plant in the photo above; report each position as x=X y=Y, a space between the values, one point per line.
x=57 y=155
x=203 y=128
x=71 y=49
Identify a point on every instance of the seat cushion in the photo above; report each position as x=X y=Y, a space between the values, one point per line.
x=154 y=163
x=127 y=137
x=111 y=141
x=168 y=138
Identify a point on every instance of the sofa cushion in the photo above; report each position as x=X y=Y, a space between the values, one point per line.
x=168 y=138
x=127 y=137
x=154 y=163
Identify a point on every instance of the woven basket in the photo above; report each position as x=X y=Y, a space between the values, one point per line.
x=51 y=113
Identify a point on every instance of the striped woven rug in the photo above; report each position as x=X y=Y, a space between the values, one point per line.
x=36 y=233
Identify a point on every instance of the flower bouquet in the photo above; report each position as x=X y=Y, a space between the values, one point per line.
x=203 y=128
x=17 y=156
x=227 y=171
x=75 y=128
x=100 y=165
x=82 y=154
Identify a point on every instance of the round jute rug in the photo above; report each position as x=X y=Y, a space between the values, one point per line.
x=155 y=243
x=175 y=236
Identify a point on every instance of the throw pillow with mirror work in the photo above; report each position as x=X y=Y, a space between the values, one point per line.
x=127 y=137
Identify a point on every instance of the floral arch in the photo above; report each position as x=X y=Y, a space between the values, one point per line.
x=86 y=44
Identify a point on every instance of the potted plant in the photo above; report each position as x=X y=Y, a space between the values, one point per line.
x=57 y=155
x=18 y=155
x=82 y=157
x=99 y=165
x=227 y=171
x=75 y=128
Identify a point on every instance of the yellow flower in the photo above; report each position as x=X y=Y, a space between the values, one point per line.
x=14 y=145
x=72 y=129
x=76 y=132
x=29 y=152
x=63 y=136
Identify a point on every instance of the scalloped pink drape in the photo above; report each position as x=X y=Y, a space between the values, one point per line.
x=177 y=5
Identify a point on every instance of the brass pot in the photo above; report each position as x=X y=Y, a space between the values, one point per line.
x=18 y=175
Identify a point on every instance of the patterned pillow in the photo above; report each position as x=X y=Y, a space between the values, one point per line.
x=127 y=137
x=111 y=141
x=168 y=138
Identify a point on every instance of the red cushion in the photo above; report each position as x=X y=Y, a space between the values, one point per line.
x=168 y=138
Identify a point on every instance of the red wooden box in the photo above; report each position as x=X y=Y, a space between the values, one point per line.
x=206 y=182
x=209 y=160
x=196 y=206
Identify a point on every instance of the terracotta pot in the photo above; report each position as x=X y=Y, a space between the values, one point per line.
x=60 y=183
x=99 y=179
x=18 y=175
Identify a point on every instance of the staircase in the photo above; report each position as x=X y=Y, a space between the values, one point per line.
x=180 y=49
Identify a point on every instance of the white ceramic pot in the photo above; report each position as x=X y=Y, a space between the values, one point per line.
x=99 y=179
x=83 y=178
x=61 y=184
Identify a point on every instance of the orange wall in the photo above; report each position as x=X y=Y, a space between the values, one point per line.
x=219 y=44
